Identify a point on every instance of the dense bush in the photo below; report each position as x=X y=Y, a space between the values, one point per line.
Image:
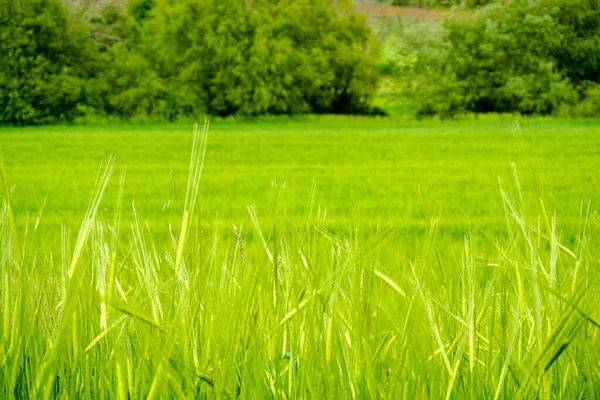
x=169 y=59
x=44 y=62
x=588 y=106
x=524 y=57
x=127 y=84
x=257 y=57
x=577 y=52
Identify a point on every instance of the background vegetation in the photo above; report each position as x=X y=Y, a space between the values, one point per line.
x=508 y=57
x=167 y=60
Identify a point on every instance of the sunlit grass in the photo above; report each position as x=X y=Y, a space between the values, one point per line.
x=367 y=172
x=305 y=309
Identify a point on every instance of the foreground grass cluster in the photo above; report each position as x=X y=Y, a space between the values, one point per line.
x=297 y=309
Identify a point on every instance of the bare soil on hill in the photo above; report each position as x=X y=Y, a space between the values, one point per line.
x=399 y=11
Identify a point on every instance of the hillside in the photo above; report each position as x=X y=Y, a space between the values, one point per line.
x=88 y=8
x=401 y=11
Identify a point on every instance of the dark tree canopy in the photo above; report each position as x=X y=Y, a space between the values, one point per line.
x=43 y=62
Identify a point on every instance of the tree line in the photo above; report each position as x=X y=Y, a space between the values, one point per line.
x=165 y=60
x=169 y=59
x=521 y=56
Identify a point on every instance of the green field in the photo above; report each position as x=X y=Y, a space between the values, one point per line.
x=391 y=172
x=417 y=267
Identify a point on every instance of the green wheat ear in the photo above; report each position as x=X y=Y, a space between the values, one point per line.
x=9 y=211
x=193 y=187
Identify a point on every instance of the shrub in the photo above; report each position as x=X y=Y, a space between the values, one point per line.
x=499 y=61
x=125 y=84
x=265 y=57
x=129 y=88
x=577 y=52
x=44 y=61
x=163 y=60
x=589 y=105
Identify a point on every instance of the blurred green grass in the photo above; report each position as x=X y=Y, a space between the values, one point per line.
x=390 y=171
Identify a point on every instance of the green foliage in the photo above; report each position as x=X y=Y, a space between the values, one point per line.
x=140 y=10
x=524 y=57
x=265 y=57
x=589 y=105
x=578 y=26
x=166 y=60
x=129 y=87
x=506 y=58
x=500 y=62
x=125 y=84
x=44 y=60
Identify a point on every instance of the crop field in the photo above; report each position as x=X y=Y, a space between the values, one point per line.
x=308 y=257
x=385 y=172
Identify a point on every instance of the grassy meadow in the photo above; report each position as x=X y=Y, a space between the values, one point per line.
x=385 y=172
x=309 y=257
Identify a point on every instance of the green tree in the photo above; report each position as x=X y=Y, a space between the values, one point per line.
x=125 y=84
x=44 y=57
x=577 y=52
x=168 y=59
x=501 y=60
x=264 y=57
